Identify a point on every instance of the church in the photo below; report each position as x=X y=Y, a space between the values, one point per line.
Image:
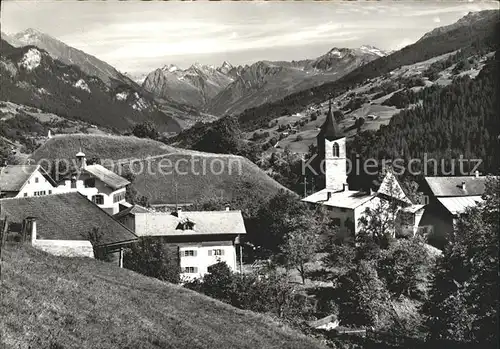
x=347 y=206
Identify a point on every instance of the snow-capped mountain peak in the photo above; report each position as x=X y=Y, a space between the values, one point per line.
x=170 y=68
x=372 y=49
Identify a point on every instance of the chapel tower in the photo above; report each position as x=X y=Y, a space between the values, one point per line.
x=332 y=152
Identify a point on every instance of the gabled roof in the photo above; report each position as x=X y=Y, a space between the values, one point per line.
x=205 y=223
x=452 y=186
x=14 y=177
x=69 y=216
x=458 y=205
x=108 y=177
x=131 y=210
x=330 y=130
x=391 y=187
x=343 y=199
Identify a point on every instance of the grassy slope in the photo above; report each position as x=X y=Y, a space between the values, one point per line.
x=55 y=302
x=235 y=181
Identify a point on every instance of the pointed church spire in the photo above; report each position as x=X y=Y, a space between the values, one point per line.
x=330 y=129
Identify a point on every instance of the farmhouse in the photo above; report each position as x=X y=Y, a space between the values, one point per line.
x=347 y=206
x=448 y=198
x=24 y=181
x=203 y=238
x=66 y=224
x=101 y=186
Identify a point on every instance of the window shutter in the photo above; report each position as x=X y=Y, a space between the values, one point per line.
x=195 y=253
x=195 y=269
x=222 y=252
x=209 y=253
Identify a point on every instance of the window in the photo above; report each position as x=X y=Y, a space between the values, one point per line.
x=36 y=179
x=335 y=150
x=50 y=192
x=190 y=270
x=39 y=193
x=216 y=252
x=119 y=197
x=90 y=183
x=98 y=199
x=189 y=253
x=25 y=194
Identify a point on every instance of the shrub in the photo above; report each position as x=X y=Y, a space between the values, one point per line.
x=151 y=257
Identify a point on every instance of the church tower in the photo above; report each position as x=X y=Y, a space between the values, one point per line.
x=332 y=152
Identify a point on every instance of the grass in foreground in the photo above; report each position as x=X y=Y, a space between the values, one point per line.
x=55 y=302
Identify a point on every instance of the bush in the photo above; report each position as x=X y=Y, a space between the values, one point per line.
x=151 y=257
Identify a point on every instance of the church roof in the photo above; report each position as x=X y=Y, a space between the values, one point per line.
x=349 y=199
x=330 y=129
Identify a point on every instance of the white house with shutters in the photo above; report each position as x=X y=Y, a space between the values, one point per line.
x=203 y=238
x=25 y=181
x=100 y=185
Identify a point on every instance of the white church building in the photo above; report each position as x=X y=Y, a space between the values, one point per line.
x=346 y=206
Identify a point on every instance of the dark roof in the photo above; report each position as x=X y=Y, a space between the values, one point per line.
x=131 y=210
x=452 y=186
x=108 y=177
x=69 y=216
x=13 y=177
x=330 y=129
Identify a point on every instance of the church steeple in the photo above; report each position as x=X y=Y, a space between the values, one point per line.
x=330 y=129
x=332 y=153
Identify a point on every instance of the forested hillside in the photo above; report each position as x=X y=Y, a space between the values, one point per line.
x=480 y=35
x=457 y=120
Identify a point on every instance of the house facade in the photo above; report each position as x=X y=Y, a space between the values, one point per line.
x=203 y=238
x=448 y=198
x=346 y=207
x=25 y=181
x=101 y=186
x=66 y=224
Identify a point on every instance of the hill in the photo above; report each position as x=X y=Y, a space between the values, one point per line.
x=56 y=302
x=32 y=77
x=166 y=174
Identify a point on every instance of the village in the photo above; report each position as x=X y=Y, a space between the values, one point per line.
x=57 y=217
x=221 y=175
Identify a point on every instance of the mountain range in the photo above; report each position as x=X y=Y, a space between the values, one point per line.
x=229 y=89
x=41 y=71
x=31 y=76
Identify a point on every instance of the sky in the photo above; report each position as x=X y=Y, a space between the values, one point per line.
x=138 y=37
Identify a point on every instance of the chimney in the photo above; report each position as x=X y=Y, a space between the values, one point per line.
x=328 y=195
x=227 y=208
x=463 y=185
x=345 y=187
x=477 y=174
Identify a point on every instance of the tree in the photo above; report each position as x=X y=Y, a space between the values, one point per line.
x=463 y=302
x=95 y=237
x=362 y=296
x=145 y=130
x=224 y=136
x=151 y=257
x=404 y=267
x=301 y=244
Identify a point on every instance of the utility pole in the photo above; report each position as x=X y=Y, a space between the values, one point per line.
x=305 y=186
